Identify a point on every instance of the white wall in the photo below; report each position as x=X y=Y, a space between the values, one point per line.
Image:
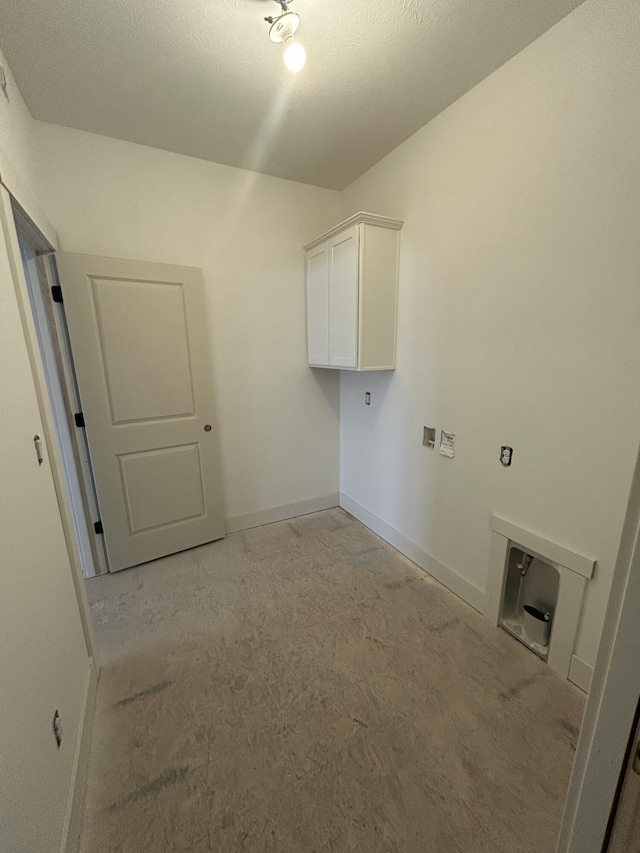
x=278 y=419
x=44 y=662
x=519 y=308
x=16 y=129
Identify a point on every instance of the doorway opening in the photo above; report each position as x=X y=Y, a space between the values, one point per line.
x=55 y=351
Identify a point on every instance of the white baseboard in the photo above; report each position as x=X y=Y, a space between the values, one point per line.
x=580 y=673
x=73 y=814
x=281 y=513
x=447 y=577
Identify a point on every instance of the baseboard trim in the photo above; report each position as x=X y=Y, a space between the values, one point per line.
x=281 y=513
x=73 y=815
x=580 y=673
x=447 y=577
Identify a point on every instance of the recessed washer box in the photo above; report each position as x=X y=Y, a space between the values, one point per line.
x=504 y=592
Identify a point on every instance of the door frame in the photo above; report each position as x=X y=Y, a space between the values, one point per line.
x=42 y=226
x=57 y=363
x=624 y=821
x=609 y=718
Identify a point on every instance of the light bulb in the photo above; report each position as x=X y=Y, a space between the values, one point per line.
x=295 y=56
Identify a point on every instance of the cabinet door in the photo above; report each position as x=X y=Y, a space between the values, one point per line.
x=318 y=305
x=343 y=301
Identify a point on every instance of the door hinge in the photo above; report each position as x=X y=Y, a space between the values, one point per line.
x=56 y=293
x=98 y=527
x=79 y=419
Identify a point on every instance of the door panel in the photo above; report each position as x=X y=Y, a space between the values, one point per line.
x=173 y=476
x=318 y=305
x=133 y=361
x=343 y=302
x=140 y=346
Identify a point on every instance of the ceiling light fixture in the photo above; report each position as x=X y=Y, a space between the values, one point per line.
x=282 y=30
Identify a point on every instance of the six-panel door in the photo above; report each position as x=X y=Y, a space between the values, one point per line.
x=141 y=352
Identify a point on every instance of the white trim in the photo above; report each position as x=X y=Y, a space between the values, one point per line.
x=352 y=369
x=73 y=815
x=447 y=577
x=67 y=376
x=608 y=721
x=83 y=532
x=584 y=566
x=580 y=673
x=357 y=219
x=280 y=513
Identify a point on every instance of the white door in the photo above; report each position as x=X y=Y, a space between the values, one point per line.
x=318 y=305
x=343 y=300
x=140 y=346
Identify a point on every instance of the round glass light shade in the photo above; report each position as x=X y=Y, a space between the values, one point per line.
x=295 y=56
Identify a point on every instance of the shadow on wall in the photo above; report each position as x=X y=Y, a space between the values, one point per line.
x=329 y=383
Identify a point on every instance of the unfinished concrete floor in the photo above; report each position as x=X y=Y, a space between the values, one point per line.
x=303 y=687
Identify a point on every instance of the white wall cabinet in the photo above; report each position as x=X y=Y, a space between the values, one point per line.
x=352 y=288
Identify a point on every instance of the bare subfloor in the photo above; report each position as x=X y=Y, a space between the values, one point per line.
x=302 y=687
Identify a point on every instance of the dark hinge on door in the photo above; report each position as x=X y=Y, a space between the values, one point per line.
x=636 y=759
x=79 y=419
x=98 y=527
x=56 y=293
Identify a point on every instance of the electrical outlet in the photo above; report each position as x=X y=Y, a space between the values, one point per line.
x=57 y=728
x=506 y=455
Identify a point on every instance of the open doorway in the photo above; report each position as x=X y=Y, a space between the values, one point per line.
x=55 y=352
x=125 y=366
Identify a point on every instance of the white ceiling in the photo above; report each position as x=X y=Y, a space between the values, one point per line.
x=201 y=77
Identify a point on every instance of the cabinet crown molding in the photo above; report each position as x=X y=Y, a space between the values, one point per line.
x=357 y=219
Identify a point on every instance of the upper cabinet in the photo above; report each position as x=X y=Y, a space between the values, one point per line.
x=352 y=287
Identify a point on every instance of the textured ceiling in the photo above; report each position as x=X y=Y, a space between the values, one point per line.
x=201 y=77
